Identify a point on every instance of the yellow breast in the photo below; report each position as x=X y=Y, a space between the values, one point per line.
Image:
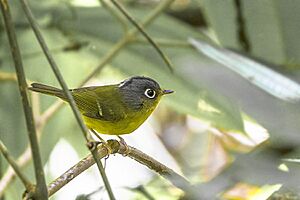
x=124 y=126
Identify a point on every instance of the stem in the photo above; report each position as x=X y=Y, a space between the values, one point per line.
x=105 y=180
x=114 y=13
x=103 y=175
x=141 y=29
x=9 y=174
x=41 y=189
x=64 y=86
x=164 y=42
x=154 y=14
x=15 y=166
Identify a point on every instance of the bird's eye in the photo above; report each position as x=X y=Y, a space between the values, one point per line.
x=150 y=93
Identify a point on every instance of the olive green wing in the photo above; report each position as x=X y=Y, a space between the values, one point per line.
x=101 y=103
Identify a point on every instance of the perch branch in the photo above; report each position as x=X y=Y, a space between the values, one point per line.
x=117 y=147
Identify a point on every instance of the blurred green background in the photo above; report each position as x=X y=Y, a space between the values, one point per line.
x=201 y=130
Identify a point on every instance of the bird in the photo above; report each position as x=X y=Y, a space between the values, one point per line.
x=115 y=109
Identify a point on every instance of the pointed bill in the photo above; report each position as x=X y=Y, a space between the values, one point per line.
x=168 y=91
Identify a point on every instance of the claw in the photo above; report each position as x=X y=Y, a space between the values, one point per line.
x=103 y=142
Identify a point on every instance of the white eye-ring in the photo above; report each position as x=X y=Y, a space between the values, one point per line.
x=150 y=93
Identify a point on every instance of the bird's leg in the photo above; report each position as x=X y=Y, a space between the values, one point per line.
x=127 y=149
x=98 y=136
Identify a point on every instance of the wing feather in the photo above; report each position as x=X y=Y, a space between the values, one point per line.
x=101 y=103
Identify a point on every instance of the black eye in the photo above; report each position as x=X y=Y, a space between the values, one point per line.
x=150 y=93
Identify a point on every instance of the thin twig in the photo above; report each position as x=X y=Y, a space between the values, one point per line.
x=114 y=13
x=9 y=174
x=41 y=189
x=22 y=161
x=64 y=86
x=165 y=42
x=118 y=147
x=15 y=166
x=141 y=29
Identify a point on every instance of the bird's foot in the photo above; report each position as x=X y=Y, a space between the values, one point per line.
x=93 y=145
x=127 y=149
x=103 y=142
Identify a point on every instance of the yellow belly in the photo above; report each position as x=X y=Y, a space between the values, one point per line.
x=124 y=126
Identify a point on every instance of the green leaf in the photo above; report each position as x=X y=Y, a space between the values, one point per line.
x=258 y=74
x=221 y=18
x=272 y=30
x=269 y=27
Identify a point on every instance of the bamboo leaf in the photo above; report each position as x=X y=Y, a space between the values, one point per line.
x=258 y=74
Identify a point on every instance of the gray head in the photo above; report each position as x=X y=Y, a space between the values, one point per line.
x=140 y=91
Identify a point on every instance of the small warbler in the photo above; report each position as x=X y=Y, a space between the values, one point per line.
x=113 y=109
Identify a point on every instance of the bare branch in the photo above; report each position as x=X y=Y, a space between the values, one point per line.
x=118 y=147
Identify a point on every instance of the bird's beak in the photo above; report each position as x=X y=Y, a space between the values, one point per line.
x=167 y=92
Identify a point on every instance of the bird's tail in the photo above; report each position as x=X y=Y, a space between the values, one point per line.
x=45 y=89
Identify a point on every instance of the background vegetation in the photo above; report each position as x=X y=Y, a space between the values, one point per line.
x=227 y=136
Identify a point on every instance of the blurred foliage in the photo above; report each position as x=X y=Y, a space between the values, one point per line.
x=264 y=29
x=267 y=29
x=244 y=191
